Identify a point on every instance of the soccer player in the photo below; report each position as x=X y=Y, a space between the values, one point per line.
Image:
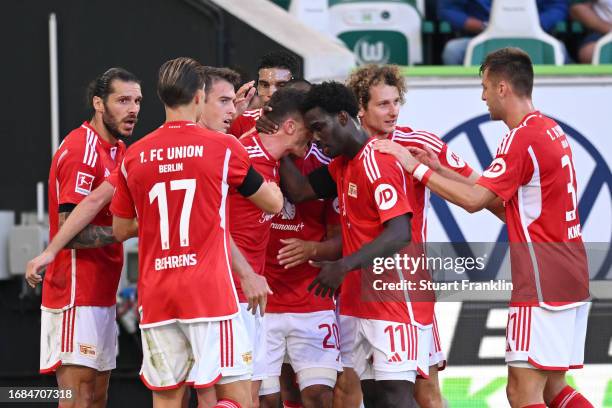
x=300 y=325
x=219 y=105
x=380 y=91
x=248 y=225
x=220 y=98
x=275 y=69
x=176 y=181
x=377 y=335
x=534 y=175
x=78 y=331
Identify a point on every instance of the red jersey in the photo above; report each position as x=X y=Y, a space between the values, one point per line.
x=533 y=173
x=371 y=190
x=176 y=181
x=248 y=224
x=244 y=122
x=419 y=194
x=306 y=221
x=82 y=277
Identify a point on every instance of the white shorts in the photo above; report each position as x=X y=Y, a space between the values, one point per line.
x=200 y=354
x=81 y=335
x=546 y=339
x=384 y=350
x=256 y=331
x=310 y=340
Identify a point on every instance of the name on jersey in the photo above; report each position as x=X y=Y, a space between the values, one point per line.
x=574 y=232
x=175 y=261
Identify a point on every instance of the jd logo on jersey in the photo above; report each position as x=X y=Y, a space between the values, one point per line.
x=386 y=196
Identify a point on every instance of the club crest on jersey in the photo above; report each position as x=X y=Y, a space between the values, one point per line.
x=385 y=196
x=247 y=358
x=352 y=190
x=87 y=350
x=496 y=168
x=84 y=183
x=453 y=160
x=288 y=211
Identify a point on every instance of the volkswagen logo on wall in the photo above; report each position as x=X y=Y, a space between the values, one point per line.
x=598 y=183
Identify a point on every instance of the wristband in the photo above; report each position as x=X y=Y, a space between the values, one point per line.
x=422 y=173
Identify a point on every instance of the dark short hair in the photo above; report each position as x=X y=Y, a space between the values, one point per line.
x=331 y=96
x=284 y=103
x=279 y=59
x=513 y=65
x=299 y=83
x=178 y=81
x=214 y=74
x=102 y=86
x=367 y=76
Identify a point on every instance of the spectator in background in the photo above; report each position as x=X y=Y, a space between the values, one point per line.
x=596 y=16
x=470 y=17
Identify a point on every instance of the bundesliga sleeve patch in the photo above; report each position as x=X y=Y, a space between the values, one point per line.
x=84 y=183
x=386 y=196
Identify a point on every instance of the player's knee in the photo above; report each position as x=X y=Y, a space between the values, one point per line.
x=100 y=395
x=317 y=396
x=86 y=395
x=348 y=382
x=427 y=394
x=512 y=393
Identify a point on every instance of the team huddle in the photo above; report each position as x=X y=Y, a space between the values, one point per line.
x=276 y=197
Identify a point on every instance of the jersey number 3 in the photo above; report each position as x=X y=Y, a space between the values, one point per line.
x=158 y=192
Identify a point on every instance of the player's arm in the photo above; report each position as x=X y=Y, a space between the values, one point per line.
x=299 y=188
x=266 y=195
x=254 y=286
x=395 y=235
x=124 y=228
x=472 y=198
x=431 y=160
x=296 y=251
x=74 y=225
x=74 y=231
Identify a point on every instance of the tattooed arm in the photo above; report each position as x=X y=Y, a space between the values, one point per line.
x=92 y=236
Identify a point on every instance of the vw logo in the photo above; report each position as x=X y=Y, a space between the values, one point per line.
x=599 y=179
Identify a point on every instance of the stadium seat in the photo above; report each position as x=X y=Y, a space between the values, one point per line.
x=515 y=23
x=603 y=50
x=379 y=31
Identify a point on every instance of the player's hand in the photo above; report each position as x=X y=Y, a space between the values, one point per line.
x=329 y=278
x=264 y=124
x=402 y=154
x=296 y=252
x=243 y=97
x=256 y=290
x=426 y=156
x=36 y=266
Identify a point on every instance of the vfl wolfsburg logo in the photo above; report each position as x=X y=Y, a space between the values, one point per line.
x=595 y=192
x=369 y=52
